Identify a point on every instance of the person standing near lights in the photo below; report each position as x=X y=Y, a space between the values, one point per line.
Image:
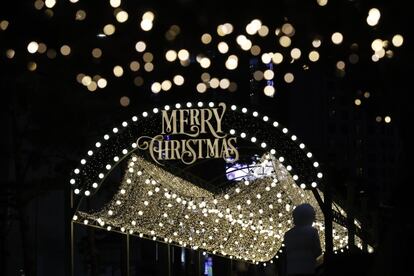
x=302 y=244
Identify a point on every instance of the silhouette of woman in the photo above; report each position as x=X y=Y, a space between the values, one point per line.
x=302 y=243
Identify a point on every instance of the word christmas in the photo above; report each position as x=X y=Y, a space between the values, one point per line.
x=191 y=134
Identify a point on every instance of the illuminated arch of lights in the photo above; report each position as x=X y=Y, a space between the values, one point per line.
x=248 y=220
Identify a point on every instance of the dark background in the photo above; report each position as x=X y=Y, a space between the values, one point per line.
x=49 y=120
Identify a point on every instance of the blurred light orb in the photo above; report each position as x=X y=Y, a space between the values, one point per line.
x=115 y=3
x=373 y=17
x=268 y=74
x=269 y=91
x=156 y=87
x=387 y=119
x=122 y=16
x=288 y=29
x=32 y=47
x=337 y=38
x=224 y=83
x=96 y=53
x=148 y=15
x=109 y=29
x=118 y=71
x=277 y=58
x=295 y=53
x=178 y=80
x=171 y=55
x=223 y=47
x=289 y=77
x=322 y=2
x=266 y=58
x=65 y=50
x=232 y=62
x=206 y=38
x=313 y=56
x=397 y=40
x=214 y=83
x=146 y=25
x=134 y=66
x=124 y=101
x=50 y=3
x=285 y=41
x=140 y=46
x=205 y=62
x=201 y=87
x=263 y=31
x=376 y=45
x=316 y=43
x=166 y=85
x=183 y=54
x=102 y=83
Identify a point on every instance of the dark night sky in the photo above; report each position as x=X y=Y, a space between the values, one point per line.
x=49 y=120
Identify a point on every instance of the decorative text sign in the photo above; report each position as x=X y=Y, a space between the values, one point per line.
x=180 y=137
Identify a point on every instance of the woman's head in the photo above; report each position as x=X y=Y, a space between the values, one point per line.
x=303 y=214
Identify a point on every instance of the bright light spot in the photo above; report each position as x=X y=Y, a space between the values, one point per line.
x=277 y=58
x=223 y=47
x=269 y=91
x=206 y=38
x=232 y=62
x=269 y=74
x=376 y=45
x=214 y=83
x=86 y=80
x=263 y=31
x=118 y=71
x=102 y=83
x=166 y=85
x=109 y=29
x=148 y=67
x=50 y=3
x=316 y=43
x=373 y=17
x=337 y=38
x=266 y=58
x=357 y=102
x=4 y=24
x=322 y=2
x=156 y=87
x=285 y=41
x=340 y=65
x=183 y=54
x=146 y=25
x=65 y=50
x=148 y=16
x=224 y=83
x=115 y=3
x=201 y=87
x=397 y=40
x=289 y=77
x=171 y=55
x=313 y=56
x=295 y=53
x=288 y=29
x=122 y=16
x=205 y=62
x=178 y=80
x=387 y=119
x=140 y=46
x=32 y=47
